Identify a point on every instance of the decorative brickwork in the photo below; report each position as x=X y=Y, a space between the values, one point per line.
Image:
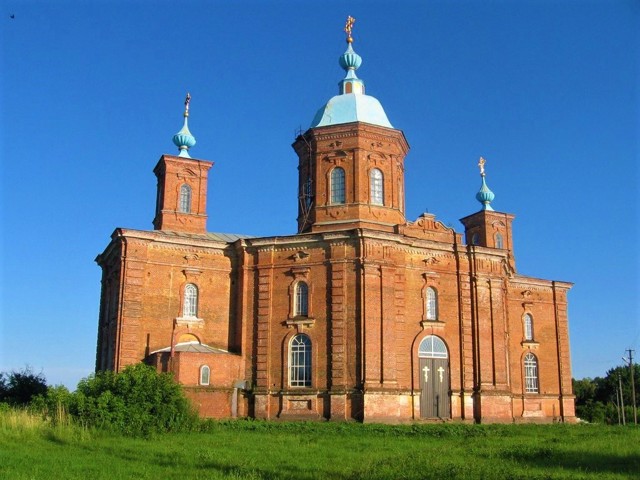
x=334 y=322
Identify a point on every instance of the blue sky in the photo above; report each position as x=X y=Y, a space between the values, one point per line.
x=91 y=94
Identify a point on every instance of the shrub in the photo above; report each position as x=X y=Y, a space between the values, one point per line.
x=136 y=401
x=55 y=405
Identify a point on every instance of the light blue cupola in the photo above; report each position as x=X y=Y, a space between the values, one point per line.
x=183 y=139
x=485 y=196
x=351 y=105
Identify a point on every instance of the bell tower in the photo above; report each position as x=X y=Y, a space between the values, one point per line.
x=351 y=160
x=488 y=228
x=181 y=201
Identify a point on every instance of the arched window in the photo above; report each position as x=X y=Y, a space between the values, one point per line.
x=376 y=187
x=475 y=239
x=190 y=305
x=528 y=327
x=432 y=304
x=337 y=186
x=185 y=199
x=205 y=374
x=302 y=300
x=300 y=361
x=432 y=347
x=531 y=373
x=499 y=243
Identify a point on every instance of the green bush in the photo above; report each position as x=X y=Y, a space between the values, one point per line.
x=55 y=405
x=137 y=401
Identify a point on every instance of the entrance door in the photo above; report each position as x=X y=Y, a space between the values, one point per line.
x=434 y=378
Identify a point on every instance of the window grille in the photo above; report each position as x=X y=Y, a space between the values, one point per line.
x=337 y=186
x=205 y=374
x=307 y=193
x=190 y=307
x=300 y=361
x=432 y=347
x=302 y=300
x=377 y=187
x=531 y=373
x=528 y=327
x=432 y=304
x=185 y=199
x=499 y=243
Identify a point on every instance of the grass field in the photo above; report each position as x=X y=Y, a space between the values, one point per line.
x=32 y=449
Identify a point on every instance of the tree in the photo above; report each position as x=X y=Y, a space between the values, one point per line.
x=20 y=387
x=597 y=399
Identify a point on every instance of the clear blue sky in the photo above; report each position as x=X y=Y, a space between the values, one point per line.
x=92 y=92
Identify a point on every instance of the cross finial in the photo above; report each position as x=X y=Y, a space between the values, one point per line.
x=481 y=163
x=187 y=101
x=348 y=27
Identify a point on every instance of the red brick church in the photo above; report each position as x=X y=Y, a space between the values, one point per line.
x=360 y=315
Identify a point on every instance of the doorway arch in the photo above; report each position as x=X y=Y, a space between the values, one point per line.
x=433 y=364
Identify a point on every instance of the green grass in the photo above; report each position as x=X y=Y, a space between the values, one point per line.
x=33 y=449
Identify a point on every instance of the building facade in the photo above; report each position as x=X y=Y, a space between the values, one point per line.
x=360 y=315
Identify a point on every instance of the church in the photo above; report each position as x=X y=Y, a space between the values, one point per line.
x=362 y=315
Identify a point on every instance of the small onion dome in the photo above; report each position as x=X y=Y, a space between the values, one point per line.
x=350 y=60
x=184 y=140
x=485 y=196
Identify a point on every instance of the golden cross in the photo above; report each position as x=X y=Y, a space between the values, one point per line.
x=348 y=27
x=481 y=165
x=187 y=101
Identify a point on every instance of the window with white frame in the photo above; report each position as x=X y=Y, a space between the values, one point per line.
x=300 y=361
x=205 y=375
x=499 y=242
x=185 y=199
x=376 y=187
x=337 y=186
x=190 y=304
x=531 y=373
x=432 y=304
x=301 y=306
x=432 y=347
x=528 y=327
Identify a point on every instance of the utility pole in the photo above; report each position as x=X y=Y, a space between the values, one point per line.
x=617 y=403
x=624 y=421
x=633 y=383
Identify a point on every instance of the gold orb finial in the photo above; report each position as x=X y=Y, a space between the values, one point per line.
x=348 y=27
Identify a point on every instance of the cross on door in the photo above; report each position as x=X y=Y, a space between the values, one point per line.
x=426 y=373
x=440 y=371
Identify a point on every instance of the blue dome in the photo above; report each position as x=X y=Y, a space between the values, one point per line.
x=485 y=196
x=184 y=140
x=351 y=107
x=350 y=60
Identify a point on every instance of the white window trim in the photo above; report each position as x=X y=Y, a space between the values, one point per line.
x=300 y=372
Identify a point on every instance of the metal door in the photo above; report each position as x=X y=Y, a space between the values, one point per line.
x=434 y=378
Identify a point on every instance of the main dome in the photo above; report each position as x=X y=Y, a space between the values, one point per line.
x=351 y=105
